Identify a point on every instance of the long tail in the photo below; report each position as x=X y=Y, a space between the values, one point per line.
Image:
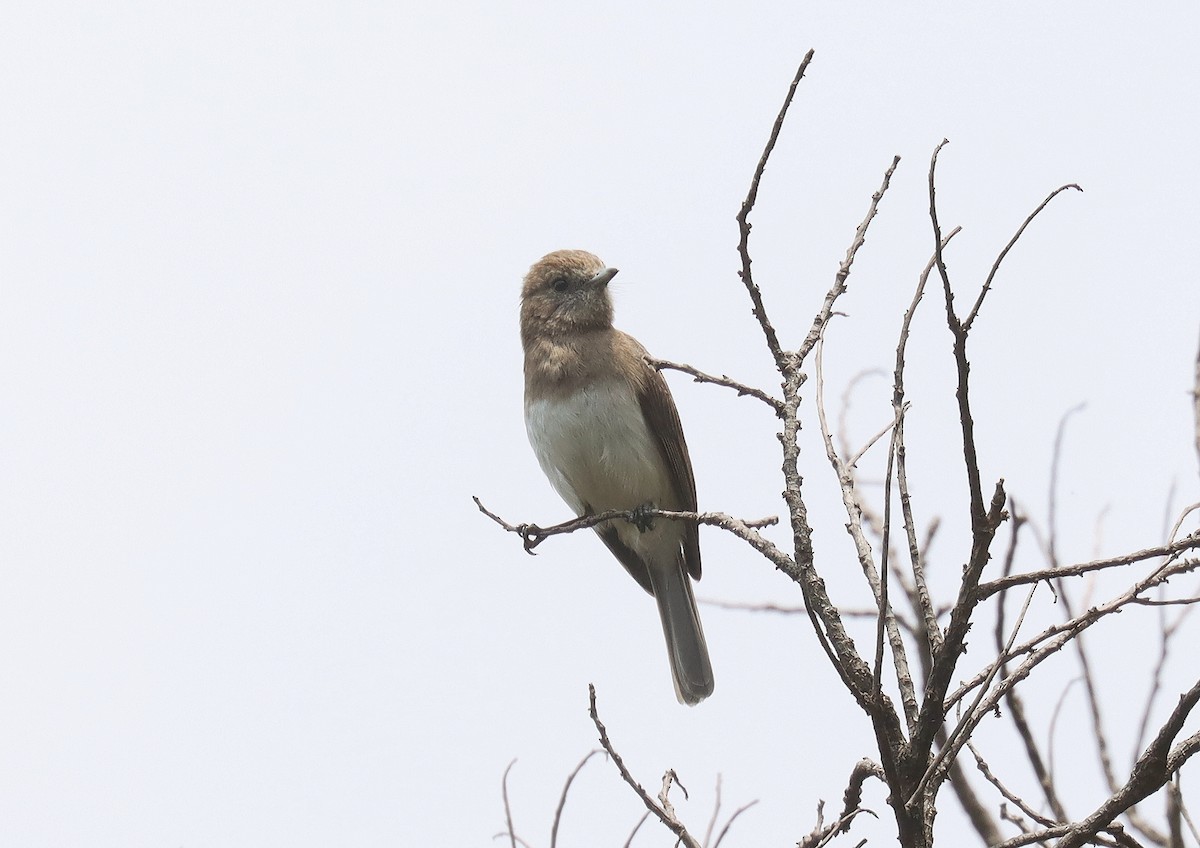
x=686 y=648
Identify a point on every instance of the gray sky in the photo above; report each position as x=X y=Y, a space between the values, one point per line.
x=260 y=265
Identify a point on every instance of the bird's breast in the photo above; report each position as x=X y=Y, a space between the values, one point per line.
x=596 y=448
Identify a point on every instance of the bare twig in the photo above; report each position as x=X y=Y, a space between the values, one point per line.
x=973 y=715
x=735 y=605
x=729 y=824
x=663 y=812
x=700 y=377
x=1044 y=836
x=985 y=519
x=875 y=579
x=562 y=801
x=851 y=799
x=990 y=588
x=1055 y=637
x=636 y=828
x=1151 y=772
x=507 y=807
x=1196 y=402
x=1011 y=796
x=996 y=265
x=1195 y=831
x=1016 y=704
x=712 y=822
x=1187 y=510
x=784 y=363
x=839 y=282
x=933 y=632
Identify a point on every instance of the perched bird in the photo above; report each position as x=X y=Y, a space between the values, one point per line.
x=607 y=435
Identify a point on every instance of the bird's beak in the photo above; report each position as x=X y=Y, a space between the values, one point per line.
x=601 y=279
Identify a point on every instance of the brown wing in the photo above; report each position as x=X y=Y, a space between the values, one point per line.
x=659 y=409
x=625 y=555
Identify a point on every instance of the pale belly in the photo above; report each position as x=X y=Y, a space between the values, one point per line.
x=596 y=449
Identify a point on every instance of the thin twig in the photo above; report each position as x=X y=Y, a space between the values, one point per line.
x=875 y=578
x=924 y=606
x=1016 y=704
x=664 y=815
x=996 y=265
x=1152 y=770
x=1055 y=637
x=636 y=828
x=787 y=610
x=784 y=363
x=839 y=281
x=1196 y=402
x=729 y=823
x=985 y=517
x=712 y=822
x=974 y=713
x=562 y=801
x=1011 y=796
x=990 y=588
x=507 y=807
x=700 y=377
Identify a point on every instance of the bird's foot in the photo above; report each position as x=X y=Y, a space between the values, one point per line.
x=641 y=518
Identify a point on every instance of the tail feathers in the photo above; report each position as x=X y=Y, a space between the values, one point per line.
x=686 y=649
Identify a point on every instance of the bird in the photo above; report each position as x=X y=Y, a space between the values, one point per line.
x=607 y=435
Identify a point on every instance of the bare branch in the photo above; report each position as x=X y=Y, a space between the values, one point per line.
x=1151 y=772
x=507 y=807
x=1049 y=833
x=1196 y=402
x=1187 y=510
x=990 y=588
x=784 y=363
x=1016 y=704
x=712 y=822
x=996 y=265
x=700 y=377
x=636 y=828
x=973 y=716
x=663 y=813
x=851 y=799
x=933 y=632
x=985 y=518
x=1012 y=797
x=839 y=281
x=562 y=801
x=732 y=819
x=736 y=605
x=866 y=558
x=1055 y=637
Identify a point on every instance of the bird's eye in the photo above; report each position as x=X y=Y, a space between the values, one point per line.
x=560 y=284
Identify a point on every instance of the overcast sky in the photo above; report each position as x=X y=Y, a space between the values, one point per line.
x=259 y=266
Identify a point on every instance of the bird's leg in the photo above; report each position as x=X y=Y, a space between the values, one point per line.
x=640 y=517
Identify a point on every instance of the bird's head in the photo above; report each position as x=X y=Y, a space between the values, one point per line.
x=566 y=292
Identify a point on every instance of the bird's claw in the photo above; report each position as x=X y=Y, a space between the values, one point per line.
x=640 y=517
x=531 y=537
